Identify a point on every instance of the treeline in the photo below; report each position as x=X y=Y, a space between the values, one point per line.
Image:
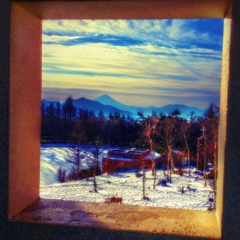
x=61 y=121
x=65 y=123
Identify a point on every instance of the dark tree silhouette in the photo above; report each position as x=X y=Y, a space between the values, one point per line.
x=69 y=116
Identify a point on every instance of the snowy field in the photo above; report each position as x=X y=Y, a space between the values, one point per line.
x=124 y=184
x=53 y=157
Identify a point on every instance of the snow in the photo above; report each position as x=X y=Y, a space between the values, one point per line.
x=149 y=156
x=124 y=184
x=51 y=159
x=119 y=158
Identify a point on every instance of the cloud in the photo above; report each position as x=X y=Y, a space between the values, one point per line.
x=145 y=57
x=93 y=38
x=169 y=32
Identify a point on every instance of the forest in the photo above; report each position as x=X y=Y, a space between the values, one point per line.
x=64 y=123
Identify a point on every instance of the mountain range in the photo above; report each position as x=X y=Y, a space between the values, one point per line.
x=106 y=104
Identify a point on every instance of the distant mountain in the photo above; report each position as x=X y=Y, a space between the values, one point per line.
x=106 y=104
x=92 y=105
x=96 y=107
x=185 y=110
x=105 y=99
x=47 y=103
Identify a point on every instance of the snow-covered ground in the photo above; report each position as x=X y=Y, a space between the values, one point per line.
x=124 y=184
x=53 y=157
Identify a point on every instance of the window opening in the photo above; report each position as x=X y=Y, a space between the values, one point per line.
x=94 y=72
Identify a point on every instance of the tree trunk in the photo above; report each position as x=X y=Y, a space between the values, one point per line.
x=198 y=154
x=188 y=158
x=78 y=156
x=172 y=163
x=144 y=178
x=155 y=178
x=169 y=168
x=168 y=163
x=188 y=155
x=94 y=179
x=142 y=165
x=205 y=183
x=154 y=171
x=186 y=144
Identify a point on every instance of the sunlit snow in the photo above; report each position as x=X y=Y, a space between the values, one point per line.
x=124 y=184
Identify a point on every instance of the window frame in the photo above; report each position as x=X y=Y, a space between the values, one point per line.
x=20 y=126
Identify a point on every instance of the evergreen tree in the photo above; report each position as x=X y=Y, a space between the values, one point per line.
x=69 y=116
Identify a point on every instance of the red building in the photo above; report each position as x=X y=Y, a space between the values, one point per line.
x=126 y=159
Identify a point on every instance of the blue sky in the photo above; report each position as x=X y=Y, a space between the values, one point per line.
x=137 y=62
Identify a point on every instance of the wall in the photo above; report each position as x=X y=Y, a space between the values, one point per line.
x=25 y=113
x=228 y=195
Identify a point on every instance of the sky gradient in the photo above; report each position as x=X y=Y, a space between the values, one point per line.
x=136 y=62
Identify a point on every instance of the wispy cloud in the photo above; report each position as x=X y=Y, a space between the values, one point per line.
x=162 y=59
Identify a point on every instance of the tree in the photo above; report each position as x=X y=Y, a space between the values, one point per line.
x=112 y=128
x=191 y=117
x=50 y=121
x=212 y=122
x=150 y=134
x=93 y=157
x=75 y=153
x=194 y=133
x=51 y=128
x=74 y=156
x=61 y=174
x=69 y=115
x=101 y=122
x=58 y=122
x=43 y=121
x=133 y=131
x=170 y=130
x=202 y=151
x=185 y=126
x=141 y=165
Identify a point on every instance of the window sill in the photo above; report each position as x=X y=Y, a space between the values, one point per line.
x=123 y=217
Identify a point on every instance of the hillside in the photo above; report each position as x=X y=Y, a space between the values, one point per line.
x=124 y=184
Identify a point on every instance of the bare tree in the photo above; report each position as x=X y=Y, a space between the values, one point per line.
x=150 y=134
x=142 y=166
x=212 y=123
x=61 y=174
x=169 y=133
x=75 y=154
x=93 y=157
x=185 y=126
